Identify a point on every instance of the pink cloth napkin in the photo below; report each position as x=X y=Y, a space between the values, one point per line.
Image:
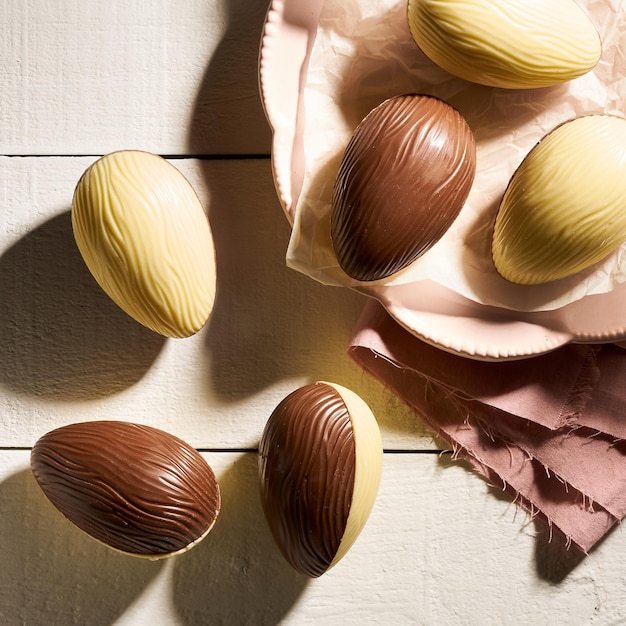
x=549 y=430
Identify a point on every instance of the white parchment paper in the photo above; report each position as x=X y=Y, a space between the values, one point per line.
x=364 y=54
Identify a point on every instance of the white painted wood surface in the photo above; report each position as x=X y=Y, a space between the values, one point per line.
x=83 y=77
x=79 y=79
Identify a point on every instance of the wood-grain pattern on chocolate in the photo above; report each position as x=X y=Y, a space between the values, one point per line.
x=307 y=469
x=133 y=487
x=403 y=179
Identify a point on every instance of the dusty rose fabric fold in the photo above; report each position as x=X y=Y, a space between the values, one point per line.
x=550 y=430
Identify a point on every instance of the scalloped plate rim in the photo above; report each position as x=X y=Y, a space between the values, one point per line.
x=451 y=327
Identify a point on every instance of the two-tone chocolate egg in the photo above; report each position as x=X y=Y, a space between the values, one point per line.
x=403 y=179
x=135 y=488
x=565 y=206
x=144 y=235
x=320 y=464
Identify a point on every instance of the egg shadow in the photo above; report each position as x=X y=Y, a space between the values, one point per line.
x=286 y=324
x=228 y=105
x=54 y=573
x=236 y=575
x=61 y=336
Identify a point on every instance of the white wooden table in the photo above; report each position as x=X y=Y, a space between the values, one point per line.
x=77 y=80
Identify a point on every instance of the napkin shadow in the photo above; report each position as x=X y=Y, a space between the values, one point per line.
x=236 y=575
x=554 y=559
x=61 y=336
x=220 y=123
x=54 y=573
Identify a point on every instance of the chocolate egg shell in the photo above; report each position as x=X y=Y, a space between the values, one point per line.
x=145 y=237
x=504 y=43
x=320 y=463
x=402 y=181
x=135 y=488
x=565 y=206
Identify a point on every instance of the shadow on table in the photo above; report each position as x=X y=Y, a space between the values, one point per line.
x=554 y=560
x=231 y=77
x=278 y=322
x=53 y=573
x=236 y=575
x=284 y=321
x=555 y=557
x=61 y=336
x=251 y=236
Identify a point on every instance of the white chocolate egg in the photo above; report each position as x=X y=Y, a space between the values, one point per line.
x=506 y=43
x=144 y=235
x=565 y=207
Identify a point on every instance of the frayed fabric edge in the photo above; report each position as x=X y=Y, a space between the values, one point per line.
x=582 y=389
x=483 y=470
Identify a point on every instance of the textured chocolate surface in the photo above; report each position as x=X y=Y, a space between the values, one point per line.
x=511 y=45
x=307 y=472
x=135 y=488
x=563 y=209
x=144 y=235
x=403 y=179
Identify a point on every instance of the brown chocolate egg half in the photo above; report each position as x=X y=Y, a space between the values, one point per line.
x=320 y=464
x=403 y=179
x=135 y=488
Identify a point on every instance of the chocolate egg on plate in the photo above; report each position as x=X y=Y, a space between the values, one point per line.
x=403 y=179
x=506 y=43
x=134 y=488
x=565 y=206
x=144 y=235
x=320 y=464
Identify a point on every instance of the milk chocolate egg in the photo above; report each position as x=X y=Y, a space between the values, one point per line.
x=506 y=43
x=135 y=488
x=145 y=237
x=402 y=181
x=565 y=206
x=320 y=463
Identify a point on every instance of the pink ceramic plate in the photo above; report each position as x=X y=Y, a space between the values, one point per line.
x=288 y=37
x=430 y=311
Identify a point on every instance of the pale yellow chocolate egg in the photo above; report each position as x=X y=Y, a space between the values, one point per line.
x=565 y=206
x=145 y=237
x=506 y=43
